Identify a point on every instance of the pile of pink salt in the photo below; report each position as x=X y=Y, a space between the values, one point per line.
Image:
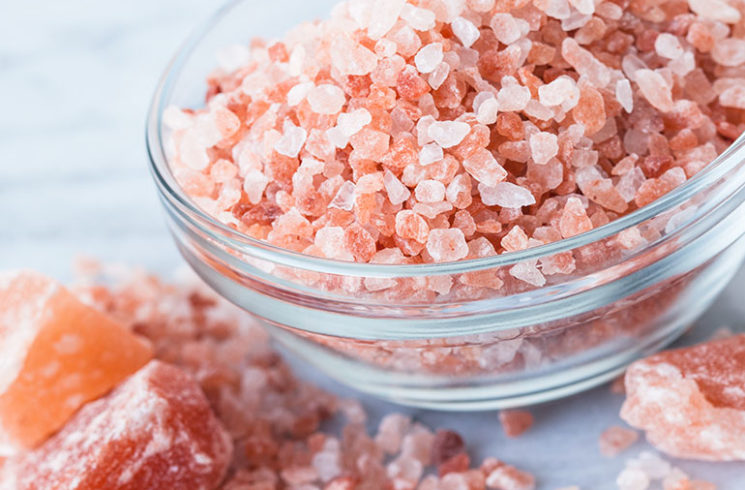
x=221 y=409
x=433 y=131
x=691 y=401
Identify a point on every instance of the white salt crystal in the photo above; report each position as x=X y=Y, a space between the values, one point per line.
x=397 y=192
x=586 y=7
x=719 y=10
x=254 y=183
x=668 y=46
x=383 y=16
x=326 y=99
x=683 y=65
x=558 y=9
x=538 y=111
x=506 y=195
x=624 y=95
x=344 y=198
x=629 y=183
x=513 y=98
x=575 y=21
x=430 y=191
x=466 y=31
x=655 y=88
x=175 y=118
x=650 y=464
x=487 y=111
x=350 y=123
x=428 y=57
x=292 y=140
x=232 y=57
x=527 y=271
x=336 y=137
x=505 y=28
x=430 y=153
x=297 y=93
x=422 y=130
x=297 y=60
x=558 y=91
x=448 y=133
x=439 y=75
x=311 y=166
x=632 y=479
x=729 y=52
x=543 y=147
x=418 y=18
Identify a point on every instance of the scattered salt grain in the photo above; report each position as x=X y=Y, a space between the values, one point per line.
x=614 y=440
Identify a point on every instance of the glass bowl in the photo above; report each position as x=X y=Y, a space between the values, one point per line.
x=463 y=335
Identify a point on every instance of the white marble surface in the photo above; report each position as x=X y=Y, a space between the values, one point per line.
x=75 y=82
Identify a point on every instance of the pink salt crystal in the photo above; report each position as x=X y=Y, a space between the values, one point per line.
x=344 y=198
x=515 y=422
x=527 y=271
x=506 y=195
x=428 y=58
x=624 y=95
x=729 y=52
x=371 y=144
x=465 y=31
x=292 y=140
x=418 y=18
x=515 y=240
x=655 y=89
x=351 y=58
x=506 y=477
x=614 y=440
x=330 y=241
x=439 y=75
x=391 y=431
x=350 y=123
x=562 y=91
x=411 y=226
x=505 y=28
x=584 y=7
x=585 y=63
x=574 y=219
x=383 y=16
x=629 y=184
x=447 y=245
x=397 y=192
x=718 y=10
x=513 y=97
x=458 y=192
x=668 y=46
x=482 y=165
x=733 y=97
x=430 y=153
x=448 y=133
x=254 y=184
x=487 y=111
x=630 y=238
x=632 y=479
x=154 y=431
x=430 y=191
x=326 y=99
x=543 y=146
x=689 y=400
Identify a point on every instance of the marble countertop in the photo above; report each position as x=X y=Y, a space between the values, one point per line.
x=75 y=81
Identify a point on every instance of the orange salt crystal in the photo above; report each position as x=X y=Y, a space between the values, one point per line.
x=154 y=431
x=515 y=422
x=57 y=354
x=690 y=401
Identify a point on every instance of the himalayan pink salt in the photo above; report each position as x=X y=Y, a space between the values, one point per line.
x=729 y=52
x=430 y=191
x=428 y=58
x=326 y=99
x=292 y=140
x=655 y=89
x=448 y=133
x=624 y=95
x=688 y=400
x=439 y=75
x=447 y=245
x=156 y=430
x=506 y=477
x=487 y=111
x=430 y=153
x=543 y=147
x=58 y=354
x=527 y=271
x=558 y=92
x=733 y=97
x=344 y=198
x=718 y=10
x=411 y=226
x=506 y=195
x=466 y=32
x=513 y=97
x=482 y=165
x=668 y=46
x=574 y=219
x=614 y=440
x=397 y=192
x=515 y=422
x=505 y=27
x=421 y=19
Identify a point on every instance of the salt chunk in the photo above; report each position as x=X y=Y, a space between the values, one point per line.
x=298 y=93
x=383 y=16
x=505 y=27
x=668 y=46
x=574 y=219
x=330 y=241
x=624 y=95
x=506 y=195
x=729 y=52
x=156 y=430
x=430 y=191
x=233 y=57
x=509 y=478
x=465 y=31
x=175 y=118
x=447 y=245
x=718 y=10
x=292 y=140
x=614 y=440
x=482 y=165
x=585 y=63
x=397 y=192
x=543 y=146
x=422 y=130
x=513 y=98
x=448 y=133
x=439 y=75
x=429 y=57
x=254 y=184
x=430 y=153
x=562 y=89
x=351 y=123
x=487 y=111
x=655 y=89
x=586 y=7
x=351 y=58
x=344 y=198
x=56 y=354
x=733 y=97
x=632 y=479
x=527 y=271
x=418 y=18
x=326 y=99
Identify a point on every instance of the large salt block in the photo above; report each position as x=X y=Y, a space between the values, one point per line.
x=691 y=401
x=155 y=431
x=55 y=354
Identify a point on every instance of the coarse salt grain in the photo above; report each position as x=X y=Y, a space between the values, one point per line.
x=429 y=57
x=292 y=140
x=430 y=191
x=466 y=32
x=668 y=46
x=430 y=153
x=326 y=99
x=505 y=27
x=543 y=146
x=447 y=245
x=448 y=133
x=506 y=195
x=397 y=192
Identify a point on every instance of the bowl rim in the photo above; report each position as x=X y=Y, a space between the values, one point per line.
x=169 y=189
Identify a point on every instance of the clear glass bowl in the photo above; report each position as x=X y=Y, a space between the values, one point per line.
x=449 y=336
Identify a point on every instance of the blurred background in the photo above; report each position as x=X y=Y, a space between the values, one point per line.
x=76 y=79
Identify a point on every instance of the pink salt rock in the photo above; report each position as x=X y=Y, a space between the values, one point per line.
x=574 y=219
x=690 y=401
x=515 y=422
x=447 y=245
x=154 y=431
x=57 y=354
x=506 y=477
x=614 y=440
